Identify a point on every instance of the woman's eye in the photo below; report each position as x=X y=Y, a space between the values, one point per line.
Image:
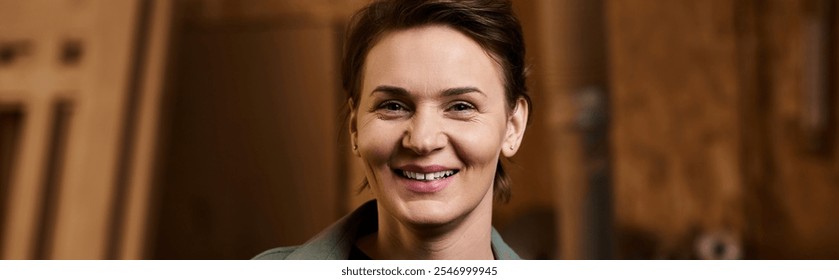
x=392 y=106
x=392 y=109
x=462 y=106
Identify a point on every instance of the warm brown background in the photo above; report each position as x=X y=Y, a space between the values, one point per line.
x=212 y=129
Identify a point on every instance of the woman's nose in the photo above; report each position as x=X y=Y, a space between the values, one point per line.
x=424 y=134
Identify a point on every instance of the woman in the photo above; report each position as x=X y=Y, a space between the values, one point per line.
x=437 y=97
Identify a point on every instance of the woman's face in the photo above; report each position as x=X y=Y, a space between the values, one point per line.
x=431 y=124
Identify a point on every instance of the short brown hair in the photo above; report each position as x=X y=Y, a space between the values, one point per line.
x=490 y=23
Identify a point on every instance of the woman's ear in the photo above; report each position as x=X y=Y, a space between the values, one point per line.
x=353 y=127
x=516 y=124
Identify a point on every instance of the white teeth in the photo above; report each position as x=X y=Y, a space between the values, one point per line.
x=428 y=176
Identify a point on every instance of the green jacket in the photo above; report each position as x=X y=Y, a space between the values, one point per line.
x=336 y=241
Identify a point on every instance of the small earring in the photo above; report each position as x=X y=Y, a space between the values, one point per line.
x=511 y=147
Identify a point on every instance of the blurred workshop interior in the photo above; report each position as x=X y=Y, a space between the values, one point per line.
x=212 y=129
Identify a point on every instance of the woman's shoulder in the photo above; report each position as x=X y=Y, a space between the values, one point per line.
x=279 y=253
x=334 y=242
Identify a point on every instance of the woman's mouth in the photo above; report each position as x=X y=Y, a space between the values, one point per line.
x=431 y=176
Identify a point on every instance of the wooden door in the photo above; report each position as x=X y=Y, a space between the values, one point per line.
x=67 y=77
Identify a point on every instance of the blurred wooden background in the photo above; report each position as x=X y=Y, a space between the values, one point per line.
x=212 y=129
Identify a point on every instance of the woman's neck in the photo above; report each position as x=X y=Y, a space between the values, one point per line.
x=466 y=238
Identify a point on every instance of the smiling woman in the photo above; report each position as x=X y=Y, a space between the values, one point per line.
x=437 y=97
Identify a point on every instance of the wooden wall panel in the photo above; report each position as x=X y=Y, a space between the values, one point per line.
x=723 y=123
x=674 y=75
x=22 y=82
x=793 y=199
x=565 y=43
x=251 y=152
x=83 y=220
x=11 y=121
x=135 y=222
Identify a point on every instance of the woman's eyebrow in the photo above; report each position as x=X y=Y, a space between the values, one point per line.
x=394 y=90
x=461 y=90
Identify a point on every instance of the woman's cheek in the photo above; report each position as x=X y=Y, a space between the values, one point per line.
x=376 y=141
x=477 y=143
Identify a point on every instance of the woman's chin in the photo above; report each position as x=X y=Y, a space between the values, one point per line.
x=428 y=213
x=448 y=203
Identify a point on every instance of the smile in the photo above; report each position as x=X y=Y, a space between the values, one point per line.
x=426 y=176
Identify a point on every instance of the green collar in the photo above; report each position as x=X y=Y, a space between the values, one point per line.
x=336 y=241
